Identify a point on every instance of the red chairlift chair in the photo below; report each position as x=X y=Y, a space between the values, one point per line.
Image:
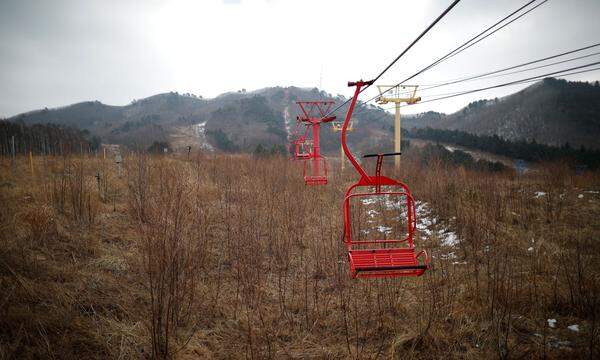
x=303 y=146
x=379 y=258
x=313 y=115
x=315 y=171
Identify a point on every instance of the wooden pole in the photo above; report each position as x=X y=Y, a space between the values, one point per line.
x=394 y=96
x=13 y=151
x=31 y=162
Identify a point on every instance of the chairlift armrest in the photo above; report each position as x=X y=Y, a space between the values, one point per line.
x=385 y=154
x=426 y=261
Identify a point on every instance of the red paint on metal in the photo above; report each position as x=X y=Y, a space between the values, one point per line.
x=373 y=258
x=313 y=115
x=300 y=143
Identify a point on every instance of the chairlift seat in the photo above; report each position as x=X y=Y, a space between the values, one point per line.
x=315 y=180
x=390 y=262
x=315 y=171
x=302 y=156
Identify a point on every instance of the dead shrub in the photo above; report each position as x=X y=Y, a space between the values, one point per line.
x=171 y=257
x=41 y=223
x=72 y=194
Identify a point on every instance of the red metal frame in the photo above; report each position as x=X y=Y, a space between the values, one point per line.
x=373 y=259
x=315 y=178
x=299 y=144
x=313 y=115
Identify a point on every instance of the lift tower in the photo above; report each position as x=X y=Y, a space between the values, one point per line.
x=394 y=93
x=314 y=113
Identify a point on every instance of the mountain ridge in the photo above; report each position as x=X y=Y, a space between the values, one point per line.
x=552 y=112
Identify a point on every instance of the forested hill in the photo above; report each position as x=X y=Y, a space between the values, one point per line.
x=553 y=112
x=234 y=121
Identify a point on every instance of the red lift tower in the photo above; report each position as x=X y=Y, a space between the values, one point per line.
x=313 y=115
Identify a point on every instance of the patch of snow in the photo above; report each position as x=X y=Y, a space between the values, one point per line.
x=200 y=129
x=459 y=263
x=450 y=239
x=552 y=323
x=539 y=194
x=573 y=327
x=384 y=229
x=580 y=196
x=427 y=231
x=369 y=201
x=390 y=204
x=372 y=212
x=424 y=222
x=592 y=192
x=448 y=256
x=530 y=249
x=287 y=122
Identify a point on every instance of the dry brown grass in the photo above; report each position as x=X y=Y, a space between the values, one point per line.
x=234 y=257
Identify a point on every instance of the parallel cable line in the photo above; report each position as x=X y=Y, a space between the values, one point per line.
x=498 y=73
x=567 y=72
x=533 y=78
x=402 y=53
x=518 y=82
x=474 y=40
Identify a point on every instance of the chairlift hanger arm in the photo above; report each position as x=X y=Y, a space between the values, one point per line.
x=358 y=84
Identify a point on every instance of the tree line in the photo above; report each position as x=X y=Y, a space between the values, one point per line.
x=457 y=157
x=44 y=139
x=522 y=149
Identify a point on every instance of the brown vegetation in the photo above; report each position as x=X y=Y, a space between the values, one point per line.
x=234 y=257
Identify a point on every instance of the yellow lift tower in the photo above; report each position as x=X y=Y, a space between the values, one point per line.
x=337 y=126
x=394 y=93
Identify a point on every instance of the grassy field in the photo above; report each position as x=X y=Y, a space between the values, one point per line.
x=224 y=257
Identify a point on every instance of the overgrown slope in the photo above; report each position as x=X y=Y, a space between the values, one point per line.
x=552 y=112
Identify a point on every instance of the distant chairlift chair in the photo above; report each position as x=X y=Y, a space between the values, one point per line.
x=314 y=113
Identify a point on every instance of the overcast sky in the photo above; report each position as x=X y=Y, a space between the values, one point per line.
x=54 y=53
